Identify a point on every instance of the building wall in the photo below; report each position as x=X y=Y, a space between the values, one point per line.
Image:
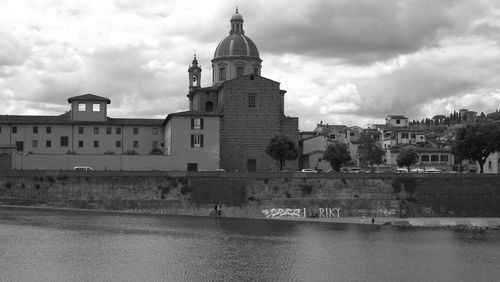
x=89 y=114
x=106 y=142
x=206 y=157
x=492 y=163
x=246 y=131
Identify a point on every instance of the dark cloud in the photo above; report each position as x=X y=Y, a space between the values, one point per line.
x=358 y=32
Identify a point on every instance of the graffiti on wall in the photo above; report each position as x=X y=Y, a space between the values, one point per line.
x=278 y=213
x=284 y=212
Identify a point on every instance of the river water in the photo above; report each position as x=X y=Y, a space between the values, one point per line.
x=50 y=245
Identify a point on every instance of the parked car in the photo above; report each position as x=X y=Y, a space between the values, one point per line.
x=401 y=170
x=432 y=170
x=417 y=170
x=308 y=170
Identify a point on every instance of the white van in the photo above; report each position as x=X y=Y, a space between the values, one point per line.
x=88 y=168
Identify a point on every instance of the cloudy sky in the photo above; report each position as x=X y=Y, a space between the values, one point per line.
x=341 y=61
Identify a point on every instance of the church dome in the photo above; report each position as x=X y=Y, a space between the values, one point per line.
x=237 y=43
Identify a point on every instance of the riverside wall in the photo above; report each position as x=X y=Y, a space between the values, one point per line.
x=257 y=195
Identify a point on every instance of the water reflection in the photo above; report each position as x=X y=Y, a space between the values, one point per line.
x=46 y=245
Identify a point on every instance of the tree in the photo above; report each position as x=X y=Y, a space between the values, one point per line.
x=369 y=151
x=282 y=148
x=476 y=142
x=337 y=154
x=406 y=157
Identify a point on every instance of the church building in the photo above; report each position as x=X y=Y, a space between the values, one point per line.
x=251 y=106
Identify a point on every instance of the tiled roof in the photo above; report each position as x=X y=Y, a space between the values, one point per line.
x=89 y=97
x=397 y=117
x=192 y=113
x=66 y=119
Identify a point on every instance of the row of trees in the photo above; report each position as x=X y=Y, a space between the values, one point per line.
x=473 y=142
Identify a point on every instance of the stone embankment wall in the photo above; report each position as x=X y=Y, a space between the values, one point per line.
x=257 y=194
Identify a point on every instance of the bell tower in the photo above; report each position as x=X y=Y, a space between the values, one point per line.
x=194 y=75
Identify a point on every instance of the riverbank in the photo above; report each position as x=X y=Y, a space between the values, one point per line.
x=432 y=222
x=480 y=223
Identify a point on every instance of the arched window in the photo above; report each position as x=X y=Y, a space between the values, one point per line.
x=209 y=106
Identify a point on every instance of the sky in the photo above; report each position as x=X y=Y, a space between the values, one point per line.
x=350 y=62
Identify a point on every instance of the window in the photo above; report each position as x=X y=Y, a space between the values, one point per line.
x=96 y=144
x=136 y=131
x=118 y=144
x=192 y=167
x=35 y=143
x=64 y=141
x=48 y=130
x=135 y=144
x=35 y=129
x=82 y=107
x=196 y=123
x=251 y=100
x=118 y=130
x=196 y=140
x=108 y=130
x=14 y=129
x=209 y=106
x=252 y=165
x=20 y=146
x=425 y=158
x=413 y=135
x=398 y=121
x=96 y=107
x=404 y=135
x=489 y=165
x=80 y=130
x=48 y=143
x=0 y=129
x=332 y=136
x=80 y=144
x=444 y=158
x=96 y=130
x=155 y=131
x=435 y=158
x=155 y=144
x=239 y=71
x=222 y=73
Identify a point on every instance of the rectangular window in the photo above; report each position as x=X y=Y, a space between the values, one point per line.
x=108 y=130
x=251 y=100
x=118 y=130
x=82 y=107
x=14 y=129
x=434 y=158
x=398 y=121
x=404 y=135
x=155 y=144
x=80 y=130
x=222 y=73
x=35 y=143
x=444 y=158
x=96 y=130
x=489 y=165
x=48 y=143
x=413 y=136
x=48 y=130
x=155 y=131
x=196 y=140
x=136 y=131
x=96 y=107
x=239 y=71
x=135 y=144
x=35 y=129
x=197 y=123
x=64 y=141
x=425 y=158
x=118 y=144
x=20 y=146
x=80 y=144
x=332 y=136
x=0 y=129
x=96 y=144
